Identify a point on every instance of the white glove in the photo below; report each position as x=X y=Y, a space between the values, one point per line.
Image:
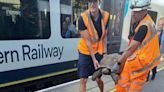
x=115 y=68
x=115 y=77
x=114 y=71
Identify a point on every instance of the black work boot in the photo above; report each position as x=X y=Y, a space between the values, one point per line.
x=148 y=77
x=153 y=77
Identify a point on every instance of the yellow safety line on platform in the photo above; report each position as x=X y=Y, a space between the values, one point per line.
x=113 y=90
x=158 y=70
x=36 y=78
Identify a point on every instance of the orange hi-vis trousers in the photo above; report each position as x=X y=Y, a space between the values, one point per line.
x=127 y=84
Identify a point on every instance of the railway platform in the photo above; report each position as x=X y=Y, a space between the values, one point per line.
x=156 y=85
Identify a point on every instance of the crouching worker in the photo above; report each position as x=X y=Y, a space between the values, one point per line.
x=142 y=53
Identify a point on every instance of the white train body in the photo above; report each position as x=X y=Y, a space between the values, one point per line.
x=47 y=52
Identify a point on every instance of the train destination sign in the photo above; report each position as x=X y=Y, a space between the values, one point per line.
x=31 y=53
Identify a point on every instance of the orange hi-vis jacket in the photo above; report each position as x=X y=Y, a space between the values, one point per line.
x=148 y=54
x=97 y=44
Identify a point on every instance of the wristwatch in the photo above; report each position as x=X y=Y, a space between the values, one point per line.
x=118 y=63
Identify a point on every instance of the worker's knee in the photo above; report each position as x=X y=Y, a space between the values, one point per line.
x=136 y=85
x=83 y=80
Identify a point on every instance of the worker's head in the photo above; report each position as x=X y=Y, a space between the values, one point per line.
x=93 y=5
x=139 y=8
x=160 y=24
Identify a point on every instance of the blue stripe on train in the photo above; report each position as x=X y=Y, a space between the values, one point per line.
x=16 y=75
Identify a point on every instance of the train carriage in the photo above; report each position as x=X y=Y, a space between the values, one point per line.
x=35 y=51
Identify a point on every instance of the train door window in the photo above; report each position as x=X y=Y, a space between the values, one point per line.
x=70 y=11
x=24 y=19
x=116 y=9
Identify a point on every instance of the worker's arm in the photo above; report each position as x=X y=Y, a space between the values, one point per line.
x=128 y=52
x=138 y=38
x=105 y=41
x=85 y=36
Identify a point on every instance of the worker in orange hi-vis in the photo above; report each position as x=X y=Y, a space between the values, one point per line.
x=92 y=46
x=143 y=52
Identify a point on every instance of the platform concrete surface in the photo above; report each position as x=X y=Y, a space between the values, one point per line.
x=156 y=85
x=74 y=86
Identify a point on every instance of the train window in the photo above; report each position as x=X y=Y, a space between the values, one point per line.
x=70 y=11
x=116 y=11
x=24 y=19
x=65 y=2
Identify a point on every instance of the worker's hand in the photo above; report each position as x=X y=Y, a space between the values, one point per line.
x=96 y=64
x=115 y=78
x=120 y=70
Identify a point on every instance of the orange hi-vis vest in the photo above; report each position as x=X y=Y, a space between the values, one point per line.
x=97 y=44
x=148 y=53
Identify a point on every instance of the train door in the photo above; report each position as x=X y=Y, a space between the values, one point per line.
x=116 y=10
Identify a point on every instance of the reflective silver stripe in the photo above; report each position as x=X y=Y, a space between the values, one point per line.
x=92 y=29
x=138 y=83
x=153 y=32
x=138 y=87
x=134 y=90
x=123 y=78
x=103 y=14
x=123 y=84
x=146 y=67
